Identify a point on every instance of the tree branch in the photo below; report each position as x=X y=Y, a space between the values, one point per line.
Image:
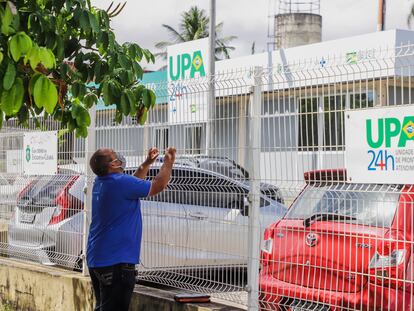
x=89 y=48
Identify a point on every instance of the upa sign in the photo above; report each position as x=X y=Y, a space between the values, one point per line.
x=380 y=145
x=184 y=66
x=187 y=69
x=40 y=153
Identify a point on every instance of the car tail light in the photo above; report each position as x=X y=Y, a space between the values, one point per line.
x=387 y=265
x=24 y=190
x=392 y=260
x=63 y=207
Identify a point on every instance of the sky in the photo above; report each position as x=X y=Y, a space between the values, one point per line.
x=141 y=21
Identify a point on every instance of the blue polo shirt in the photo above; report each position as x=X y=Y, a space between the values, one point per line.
x=116 y=228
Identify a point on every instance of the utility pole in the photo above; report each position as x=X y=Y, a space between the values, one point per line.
x=211 y=79
x=381 y=15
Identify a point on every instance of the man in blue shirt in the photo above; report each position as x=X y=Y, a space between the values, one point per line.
x=114 y=240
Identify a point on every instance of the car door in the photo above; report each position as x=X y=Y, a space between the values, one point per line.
x=217 y=227
x=164 y=236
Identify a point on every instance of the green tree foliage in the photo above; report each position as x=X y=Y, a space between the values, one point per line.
x=59 y=57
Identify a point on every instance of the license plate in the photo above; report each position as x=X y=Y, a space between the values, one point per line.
x=27 y=218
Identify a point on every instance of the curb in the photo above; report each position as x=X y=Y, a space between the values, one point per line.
x=28 y=286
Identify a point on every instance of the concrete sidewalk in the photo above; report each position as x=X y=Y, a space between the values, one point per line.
x=26 y=286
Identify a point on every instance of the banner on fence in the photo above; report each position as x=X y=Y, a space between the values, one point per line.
x=187 y=61
x=40 y=153
x=380 y=145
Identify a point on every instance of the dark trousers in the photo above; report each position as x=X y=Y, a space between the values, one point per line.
x=113 y=286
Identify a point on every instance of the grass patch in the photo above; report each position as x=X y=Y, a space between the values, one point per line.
x=7 y=307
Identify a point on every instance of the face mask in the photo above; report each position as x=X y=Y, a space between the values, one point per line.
x=122 y=159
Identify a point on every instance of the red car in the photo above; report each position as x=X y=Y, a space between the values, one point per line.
x=341 y=246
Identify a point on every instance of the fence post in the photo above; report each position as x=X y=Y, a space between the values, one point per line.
x=90 y=145
x=211 y=103
x=254 y=195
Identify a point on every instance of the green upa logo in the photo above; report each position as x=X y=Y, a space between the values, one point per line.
x=181 y=64
x=28 y=153
x=390 y=130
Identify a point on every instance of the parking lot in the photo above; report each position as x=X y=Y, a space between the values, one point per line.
x=273 y=212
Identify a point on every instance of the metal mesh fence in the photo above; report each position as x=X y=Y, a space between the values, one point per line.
x=42 y=215
x=342 y=245
x=259 y=210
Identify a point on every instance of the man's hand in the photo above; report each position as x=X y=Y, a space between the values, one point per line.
x=160 y=181
x=143 y=169
x=169 y=156
x=153 y=154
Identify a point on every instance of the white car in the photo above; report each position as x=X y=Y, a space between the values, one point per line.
x=201 y=219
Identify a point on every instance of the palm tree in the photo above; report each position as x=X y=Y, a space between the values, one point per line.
x=193 y=26
x=410 y=16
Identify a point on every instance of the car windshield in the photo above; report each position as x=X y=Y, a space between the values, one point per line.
x=185 y=161
x=371 y=205
x=227 y=168
x=222 y=166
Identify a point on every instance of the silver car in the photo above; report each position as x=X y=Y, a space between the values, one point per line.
x=47 y=221
x=201 y=219
x=10 y=186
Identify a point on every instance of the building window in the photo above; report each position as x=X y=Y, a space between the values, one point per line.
x=361 y=100
x=278 y=105
x=399 y=96
x=308 y=124
x=329 y=123
x=161 y=138
x=158 y=115
x=193 y=139
x=334 y=107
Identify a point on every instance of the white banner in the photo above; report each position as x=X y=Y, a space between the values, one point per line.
x=380 y=145
x=187 y=100
x=40 y=153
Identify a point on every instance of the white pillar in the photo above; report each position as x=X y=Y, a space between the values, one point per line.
x=90 y=147
x=254 y=195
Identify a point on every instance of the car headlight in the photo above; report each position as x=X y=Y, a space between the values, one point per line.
x=392 y=260
x=267 y=246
